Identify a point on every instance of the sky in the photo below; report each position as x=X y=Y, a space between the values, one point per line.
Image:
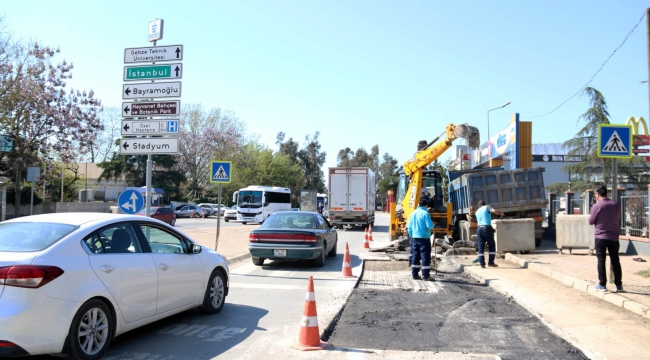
x=365 y=73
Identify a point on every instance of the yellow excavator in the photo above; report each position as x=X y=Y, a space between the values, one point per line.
x=415 y=181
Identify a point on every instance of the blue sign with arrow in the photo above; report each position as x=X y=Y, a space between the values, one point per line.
x=130 y=202
x=220 y=172
x=615 y=141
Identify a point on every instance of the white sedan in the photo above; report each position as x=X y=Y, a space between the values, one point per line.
x=70 y=282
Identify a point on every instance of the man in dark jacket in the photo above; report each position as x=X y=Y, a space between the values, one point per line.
x=605 y=215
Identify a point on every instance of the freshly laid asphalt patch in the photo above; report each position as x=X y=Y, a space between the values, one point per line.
x=390 y=311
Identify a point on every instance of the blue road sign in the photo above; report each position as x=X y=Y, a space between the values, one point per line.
x=615 y=141
x=220 y=172
x=130 y=202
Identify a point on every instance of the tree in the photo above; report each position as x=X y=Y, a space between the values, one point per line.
x=209 y=135
x=585 y=143
x=102 y=147
x=36 y=111
x=133 y=168
x=312 y=160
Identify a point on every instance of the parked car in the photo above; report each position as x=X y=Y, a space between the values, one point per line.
x=215 y=208
x=230 y=214
x=293 y=235
x=164 y=214
x=72 y=281
x=210 y=209
x=190 y=211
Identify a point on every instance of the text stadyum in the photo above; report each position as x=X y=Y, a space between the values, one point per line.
x=149 y=146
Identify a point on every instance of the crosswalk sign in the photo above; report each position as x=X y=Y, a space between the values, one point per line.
x=220 y=172
x=615 y=141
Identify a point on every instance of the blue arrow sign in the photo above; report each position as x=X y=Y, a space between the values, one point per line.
x=130 y=202
x=220 y=172
x=615 y=141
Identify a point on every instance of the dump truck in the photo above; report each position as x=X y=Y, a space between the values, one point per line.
x=517 y=193
x=351 y=196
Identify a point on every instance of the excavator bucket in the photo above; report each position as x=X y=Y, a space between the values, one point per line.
x=469 y=133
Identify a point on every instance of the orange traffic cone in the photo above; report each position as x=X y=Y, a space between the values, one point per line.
x=309 y=338
x=370 y=232
x=366 y=244
x=347 y=268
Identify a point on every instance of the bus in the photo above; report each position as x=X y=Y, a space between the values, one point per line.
x=256 y=203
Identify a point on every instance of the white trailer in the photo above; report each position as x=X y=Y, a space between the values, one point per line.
x=351 y=196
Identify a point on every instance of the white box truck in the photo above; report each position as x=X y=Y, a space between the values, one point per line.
x=351 y=196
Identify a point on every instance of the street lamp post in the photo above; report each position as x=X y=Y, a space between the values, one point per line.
x=488 y=116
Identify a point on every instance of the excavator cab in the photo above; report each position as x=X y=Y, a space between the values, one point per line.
x=431 y=180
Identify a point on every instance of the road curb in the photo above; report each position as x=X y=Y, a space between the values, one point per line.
x=238 y=258
x=502 y=289
x=581 y=285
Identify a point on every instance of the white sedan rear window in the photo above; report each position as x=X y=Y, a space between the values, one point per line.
x=31 y=236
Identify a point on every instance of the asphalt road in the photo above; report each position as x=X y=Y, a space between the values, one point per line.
x=261 y=317
x=389 y=311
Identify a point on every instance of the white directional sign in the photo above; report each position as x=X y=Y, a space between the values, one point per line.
x=144 y=146
x=153 y=53
x=151 y=90
x=151 y=108
x=150 y=127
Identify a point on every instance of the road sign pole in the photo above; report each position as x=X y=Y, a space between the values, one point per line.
x=149 y=166
x=31 y=203
x=614 y=179
x=216 y=241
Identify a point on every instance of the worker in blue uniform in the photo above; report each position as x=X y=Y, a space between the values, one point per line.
x=419 y=228
x=485 y=233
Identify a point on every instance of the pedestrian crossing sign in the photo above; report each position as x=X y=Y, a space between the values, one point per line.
x=615 y=141
x=220 y=172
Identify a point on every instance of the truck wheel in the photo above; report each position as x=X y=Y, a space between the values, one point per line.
x=243 y=223
x=538 y=242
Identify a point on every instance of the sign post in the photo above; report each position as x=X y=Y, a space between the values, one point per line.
x=220 y=173
x=166 y=71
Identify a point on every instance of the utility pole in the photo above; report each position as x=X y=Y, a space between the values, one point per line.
x=647 y=26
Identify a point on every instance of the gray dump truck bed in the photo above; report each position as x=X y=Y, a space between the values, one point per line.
x=505 y=190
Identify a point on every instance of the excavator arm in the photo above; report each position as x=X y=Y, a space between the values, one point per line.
x=423 y=158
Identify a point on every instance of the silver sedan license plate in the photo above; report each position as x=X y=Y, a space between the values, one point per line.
x=280 y=253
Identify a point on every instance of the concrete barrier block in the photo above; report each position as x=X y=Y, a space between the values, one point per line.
x=509 y=257
x=580 y=285
x=514 y=235
x=591 y=290
x=568 y=280
x=615 y=299
x=574 y=231
x=635 y=307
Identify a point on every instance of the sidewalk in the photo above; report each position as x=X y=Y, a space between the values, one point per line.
x=578 y=270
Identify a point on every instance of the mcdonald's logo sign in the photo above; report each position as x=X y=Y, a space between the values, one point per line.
x=639 y=139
